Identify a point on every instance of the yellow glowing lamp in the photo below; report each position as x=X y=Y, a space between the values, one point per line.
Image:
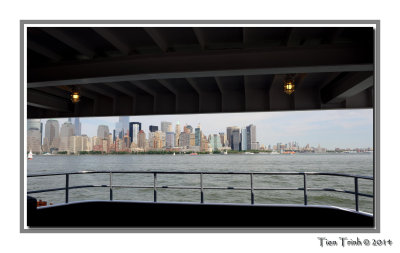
x=288 y=87
x=75 y=96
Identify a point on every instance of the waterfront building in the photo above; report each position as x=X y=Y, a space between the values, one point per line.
x=156 y=140
x=184 y=139
x=188 y=129
x=34 y=140
x=153 y=128
x=170 y=140
x=86 y=143
x=192 y=140
x=33 y=124
x=222 y=137
x=67 y=130
x=177 y=133
x=251 y=137
x=236 y=138
x=229 y=135
x=51 y=136
x=166 y=126
x=197 y=136
x=244 y=139
x=122 y=126
x=77 y=127
x=134 y=129
x=141 y=139
x=102 y=132
x=215 y=142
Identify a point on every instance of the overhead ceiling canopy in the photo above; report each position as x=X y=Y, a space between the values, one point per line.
x=172 y=70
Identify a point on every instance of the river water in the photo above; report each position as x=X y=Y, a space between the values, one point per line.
x=358 y=164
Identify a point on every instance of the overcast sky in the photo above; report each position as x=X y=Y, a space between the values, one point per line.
x=329 y=128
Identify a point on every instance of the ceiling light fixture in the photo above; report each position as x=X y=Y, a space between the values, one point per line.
x=288 y=85
x=75 y=95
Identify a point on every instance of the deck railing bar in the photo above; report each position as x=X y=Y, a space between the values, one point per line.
x=155 y=186
x=305 y=188
x=204 y=188
x=204 y=173
x=252 y=189
x=66 y=188
x=111 y=187
x=356 y=192
x=201 y=189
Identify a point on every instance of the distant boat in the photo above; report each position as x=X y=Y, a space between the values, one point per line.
x=193 y=154
x=226 y=152
x=47 y=154
x=248 y=153
x=289 y=152
x=173 y=153
x=30 y=155
x=274 y=153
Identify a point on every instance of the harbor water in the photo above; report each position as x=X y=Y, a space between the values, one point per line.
x=356 y=164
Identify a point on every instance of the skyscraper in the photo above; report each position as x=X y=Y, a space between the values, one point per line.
x=141 y=139
x=51 y=135
x=229 y=135
x=236 y=139
x=197 y=135
x=244 y=138
x=153 y=128
x=77 y=125
x=177 y=133
x=170 y=140
x=251 y=137
x=166 y=126
x=35 y=124
x=33 y=139
x=67 y=130
x=103 y=132
x=134 y=129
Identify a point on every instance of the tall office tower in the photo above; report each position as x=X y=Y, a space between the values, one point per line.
x=244 y=138
x=166 y=126
x=86 y=143
x=51 y=136
x=177 y=133
x=67 y=130
x=222 y=138
x=184 y=139
x=188 y=129
x=251 y=137
x=35 y=124
x=236 y=139
x=103 y=132
x=70 y=120
x=192 y=140
x=77 y=126
x=197 y=136
x=34 y=140
x=157 y=140
x=229 y=135
x=134 y=129
x=141 y=139
x=153 y=128
x=170 y=140
x=215 y=142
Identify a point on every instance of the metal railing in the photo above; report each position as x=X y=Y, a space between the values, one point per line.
x=201 y=187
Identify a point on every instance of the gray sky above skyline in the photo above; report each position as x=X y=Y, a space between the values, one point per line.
x=329 y=128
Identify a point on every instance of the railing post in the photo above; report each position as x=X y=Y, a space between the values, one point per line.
x=111 y=190
x=356 y=191
x=305 y=188
x=252 y=189
x=66 y=187
x=155 y=187
x=201 y=189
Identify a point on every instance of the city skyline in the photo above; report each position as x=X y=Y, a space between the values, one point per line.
x=330 y=129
